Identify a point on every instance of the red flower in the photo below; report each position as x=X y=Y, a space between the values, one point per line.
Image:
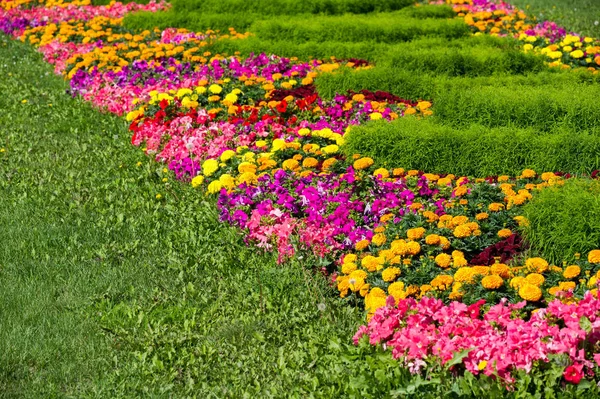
x=163 y=104
x=282 y=106
x=573 y=373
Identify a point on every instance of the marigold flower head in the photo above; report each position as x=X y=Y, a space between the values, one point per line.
x=528 y=174
x=462 y=231
x=572 y=272
x=372 y=263
x=362 y=244
x=535 y=279
x=495 y=207
x=567 y=285
x=492 y=282
x=464 y=275
x=362 y=163
x=504 y=233
x=444 y=243
x=481 y=216
x=209 y=167
x=390 y=274
x=416 y=233
x=530 y=292
x=443 y=260
x=379 y=239
x=197 y=181
x=382 y=172
x=432 y=239
x=536 y=265
x=442 y=282
x=397 y=290
x=413 y=248
x=500 y=269
x=594 y=256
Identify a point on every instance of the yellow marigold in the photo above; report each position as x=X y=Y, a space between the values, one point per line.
x=460 y=219
x=387 y=255
x=197 y=181
x=442 y=282
x=375 y=299
x=495 y=207
x=362 y=163
x=372 y=263
x=383 y=172
x=481 y=216
x=594 y=256
x=362 y=244
x=215 y=187
x=504 y=233
x=536 y=265
x=462 y=231
x=492 y=282
x=416 y=233
x=355 y=283
x=443 y=260
x=530 y=292
x=431 y=216
x=500 y=269
x=464 y=275
x=290 y=164
x=245 y=167
x=397 y=290
x=310 y=162
x=535 y=279
x=521 y=221
x=459 y=262
x=593 y=282
x=413 y=248
x=390 y=274
x=248 y=177
x=528 y=174
x=350 y=258
x=210 y=166
x=342 y=283
x=364 y=290
x=572 y=272
x=444 y=243
x=379 y=229
x=399 y=247
x=348 y=268
x=517 y=282
x=432 y=239
x=379 y=239
x=425 y=288
x=386 y=218
x=227 y=155
x=460 y=191
x=444 y=181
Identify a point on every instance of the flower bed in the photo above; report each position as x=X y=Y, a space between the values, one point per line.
x=415 y=249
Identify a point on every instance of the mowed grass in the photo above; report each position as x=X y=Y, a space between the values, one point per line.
x=581 y=16
x=109 y=292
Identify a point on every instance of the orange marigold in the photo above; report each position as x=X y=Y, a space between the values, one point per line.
x=443 y=260
x=536 y=265
x=572 y=272
x=432 y=239
x=379 y=239
x=390 y=274
x=492 y=282
x=416 y=233
x=535 y=279
x=362 y=163
x=504 y=233
x=500 y=269
x=594 y=256
x=362 y=244
x=530 y=292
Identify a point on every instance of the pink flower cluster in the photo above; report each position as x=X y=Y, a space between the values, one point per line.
x=498 y=341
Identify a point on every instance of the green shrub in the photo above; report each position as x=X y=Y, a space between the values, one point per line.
x=475 y=150
x=290 y=7
x=386 y=28
x=429 y=11
x=194 y=21
x=564 y=220
x=544 y=108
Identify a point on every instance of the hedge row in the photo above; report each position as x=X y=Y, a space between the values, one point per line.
x=564 y=221
x=290 y=7
x=385 y=28
x=475 y=150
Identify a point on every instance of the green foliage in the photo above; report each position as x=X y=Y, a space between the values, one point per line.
x=564 y=220
x=386 y=28
x=194 y=21
x=545 y=108
x=475 y=150
x=290 y=7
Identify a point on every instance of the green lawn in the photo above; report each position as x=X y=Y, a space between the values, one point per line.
x=109 y=292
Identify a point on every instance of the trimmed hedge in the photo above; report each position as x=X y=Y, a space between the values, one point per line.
x=290 y=7
x=564 y=220
x=478 y=151
x=194 y=21
x=384 y=28
x=544 y=108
